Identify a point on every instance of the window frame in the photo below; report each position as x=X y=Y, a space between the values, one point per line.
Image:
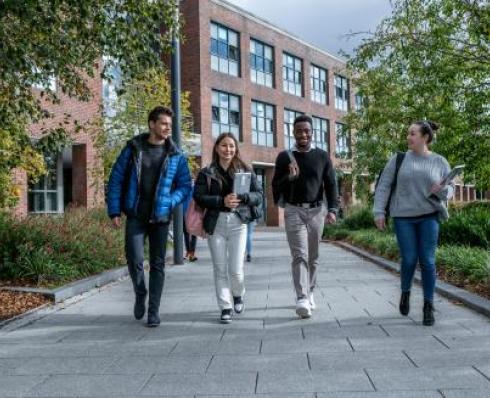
x=290 y=75
x=256 y=132
x=218 y=45
x=313 y=91
x=217 y=126
x=342 y=135
x=342 y=102
x=45 y=190
x=268 y=76
x=325 y=143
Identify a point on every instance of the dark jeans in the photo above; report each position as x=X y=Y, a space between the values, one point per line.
x=417 y=239
x=190 y=241
x=136 y=232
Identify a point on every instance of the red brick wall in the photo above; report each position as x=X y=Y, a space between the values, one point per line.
x=200 y=80
x=84 y=189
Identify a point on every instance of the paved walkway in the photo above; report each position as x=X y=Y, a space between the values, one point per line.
x=356 y=345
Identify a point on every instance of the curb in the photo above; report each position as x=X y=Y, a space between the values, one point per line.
x=78 y=287
x=471 y=300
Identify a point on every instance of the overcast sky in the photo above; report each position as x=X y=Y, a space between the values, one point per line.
x=323 y=23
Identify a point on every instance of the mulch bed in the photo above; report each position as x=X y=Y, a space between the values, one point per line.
x=15 y=303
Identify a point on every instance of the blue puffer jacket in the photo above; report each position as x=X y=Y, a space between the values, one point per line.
x=173 y=187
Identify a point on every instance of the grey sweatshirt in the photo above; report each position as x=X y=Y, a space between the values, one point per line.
x=416 y=176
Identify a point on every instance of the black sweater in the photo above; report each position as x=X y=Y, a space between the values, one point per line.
x=316 y=177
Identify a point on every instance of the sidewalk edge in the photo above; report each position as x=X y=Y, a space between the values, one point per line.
x=77 y=287
x=471 y=300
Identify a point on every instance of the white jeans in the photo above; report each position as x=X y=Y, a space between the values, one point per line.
x=227 y=247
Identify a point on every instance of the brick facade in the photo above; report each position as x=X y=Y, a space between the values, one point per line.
x=84 y=160
x=199 y=79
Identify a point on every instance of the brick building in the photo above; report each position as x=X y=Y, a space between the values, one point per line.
x=71 y=178
x=252 y=78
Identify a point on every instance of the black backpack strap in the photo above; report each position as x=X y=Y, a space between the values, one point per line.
x=399 y=160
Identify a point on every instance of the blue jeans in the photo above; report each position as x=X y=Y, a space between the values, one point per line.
x=417 y=239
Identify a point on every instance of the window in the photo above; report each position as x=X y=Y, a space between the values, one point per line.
x=262 y=124
x=342 y=141
x=261 y=64
x=226 y=114
x=320 y=133
x=359 y=102
x=341 y=93
x=318 y=78
x=289 y=117
x=46 y=195
x=43 y=82
x=225 y=50
x=292 y=75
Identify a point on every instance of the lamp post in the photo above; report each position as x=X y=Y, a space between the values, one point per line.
x=176 y=137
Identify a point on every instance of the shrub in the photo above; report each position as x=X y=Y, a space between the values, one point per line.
x=468 y=225
x=51 y=250
x=358 y=218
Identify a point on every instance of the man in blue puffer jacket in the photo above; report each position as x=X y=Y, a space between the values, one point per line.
x=150 y=177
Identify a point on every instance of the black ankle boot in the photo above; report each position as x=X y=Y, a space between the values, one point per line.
x=155 y=293
x=405 y=303
x=428 y=314
x=139 y=306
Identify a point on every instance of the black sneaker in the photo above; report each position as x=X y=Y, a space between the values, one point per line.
x=226 y=316
x=249 y=258
x=428 y=314
x=139 y=306
x=405 y=303
x=238 y=305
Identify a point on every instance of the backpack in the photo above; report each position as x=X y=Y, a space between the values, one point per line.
x=194 y=217
x=399 y=159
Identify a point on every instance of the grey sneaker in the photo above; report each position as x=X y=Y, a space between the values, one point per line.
x=303 y=308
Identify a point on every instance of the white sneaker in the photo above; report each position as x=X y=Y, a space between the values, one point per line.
x=312 y=301
x=303 y=308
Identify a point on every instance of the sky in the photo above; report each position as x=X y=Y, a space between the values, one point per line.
x=323 y=23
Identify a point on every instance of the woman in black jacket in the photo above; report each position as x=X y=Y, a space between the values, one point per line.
x=227 y=215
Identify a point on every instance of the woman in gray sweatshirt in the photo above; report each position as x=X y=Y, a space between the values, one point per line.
x=417 y=205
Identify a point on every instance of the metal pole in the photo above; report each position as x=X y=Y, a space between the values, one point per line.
x=178 y=216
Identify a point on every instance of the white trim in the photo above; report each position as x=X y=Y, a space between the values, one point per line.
x=269 y=25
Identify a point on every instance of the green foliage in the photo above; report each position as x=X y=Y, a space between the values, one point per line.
x=465 y=263
x=67 y=40
x=460 y=263
x=140 y=95
x=468 y=225
x=429 y=60
x=358 y=218
x=51 y=250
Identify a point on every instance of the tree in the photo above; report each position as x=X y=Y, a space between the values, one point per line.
x=140 y=95
x=429 y=60
x=66 y=39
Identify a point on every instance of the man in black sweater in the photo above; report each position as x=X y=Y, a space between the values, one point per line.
x=302 y=178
